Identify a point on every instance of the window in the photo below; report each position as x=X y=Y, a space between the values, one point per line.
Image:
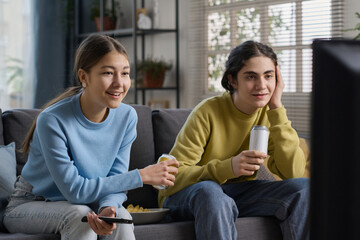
x=288 y=26
x=16 y=51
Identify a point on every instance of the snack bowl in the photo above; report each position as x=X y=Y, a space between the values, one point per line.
x=152 y=216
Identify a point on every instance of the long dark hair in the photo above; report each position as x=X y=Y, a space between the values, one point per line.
x=89 y=52
x=239 y=55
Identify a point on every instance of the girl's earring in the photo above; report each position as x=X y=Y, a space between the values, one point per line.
x=83 y=84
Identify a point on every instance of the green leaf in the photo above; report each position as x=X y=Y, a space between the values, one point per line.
x=223 y=31
x=357 y=27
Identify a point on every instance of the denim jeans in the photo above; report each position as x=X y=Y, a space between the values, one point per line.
x=215 y=207
x=27 y=213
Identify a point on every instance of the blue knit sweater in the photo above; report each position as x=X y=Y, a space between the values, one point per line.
x=80 y=161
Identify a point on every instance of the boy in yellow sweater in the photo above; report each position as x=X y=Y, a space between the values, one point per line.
x=216 y=182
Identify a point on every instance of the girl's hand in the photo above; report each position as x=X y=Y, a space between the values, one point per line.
x=161 y=173
x=275 y=101
x=99 y=226
x=247 y=162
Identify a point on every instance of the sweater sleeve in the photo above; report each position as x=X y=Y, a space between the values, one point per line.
x=121 y=165
x=287 y=159
x=74 y=187
x=188 y=150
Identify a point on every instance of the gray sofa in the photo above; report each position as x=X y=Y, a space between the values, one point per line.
x=157 y=130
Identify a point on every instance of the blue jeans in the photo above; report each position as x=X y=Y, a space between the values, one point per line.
x=215 y=207
x=27 y=213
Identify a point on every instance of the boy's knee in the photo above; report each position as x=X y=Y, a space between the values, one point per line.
x=211 y=196
x=209 y=191
x=300 y=190
x=299 y=184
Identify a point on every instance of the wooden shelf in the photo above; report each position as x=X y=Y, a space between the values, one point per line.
x=134 y=33
x=129 y=32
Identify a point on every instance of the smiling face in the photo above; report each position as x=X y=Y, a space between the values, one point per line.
x=254 y=84
x=107 y=84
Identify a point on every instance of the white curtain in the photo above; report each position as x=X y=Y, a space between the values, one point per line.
x=29 y=63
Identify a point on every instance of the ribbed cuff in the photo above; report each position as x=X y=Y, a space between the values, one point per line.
x=225 y=170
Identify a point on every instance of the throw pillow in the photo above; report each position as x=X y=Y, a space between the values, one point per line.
x=7 y=177
x=167 y=124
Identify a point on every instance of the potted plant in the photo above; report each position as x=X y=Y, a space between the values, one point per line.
x=109 y=16
x=153 y=72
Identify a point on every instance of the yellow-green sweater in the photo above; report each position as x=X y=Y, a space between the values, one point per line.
x=216 y=131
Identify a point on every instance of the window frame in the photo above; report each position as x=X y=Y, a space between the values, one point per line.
x=263 y=7
x=298 y=104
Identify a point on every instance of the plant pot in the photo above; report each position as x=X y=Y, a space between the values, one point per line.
x=151 y=81
x=109 y=23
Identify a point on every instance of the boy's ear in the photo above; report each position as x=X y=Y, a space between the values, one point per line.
x=232 y=82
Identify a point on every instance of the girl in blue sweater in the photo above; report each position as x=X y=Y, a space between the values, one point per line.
x=78 y=153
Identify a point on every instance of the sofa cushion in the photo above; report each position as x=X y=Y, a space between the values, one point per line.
x=7 y=177
x=16 y=124
x=248 y=228
x=141 y=155
x=166 y=125
x=23 y=236
x=1 y=130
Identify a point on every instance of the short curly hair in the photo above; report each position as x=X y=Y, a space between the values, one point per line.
x=239 y=55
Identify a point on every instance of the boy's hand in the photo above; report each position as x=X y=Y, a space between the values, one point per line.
x=275 y=101
x=247 y=162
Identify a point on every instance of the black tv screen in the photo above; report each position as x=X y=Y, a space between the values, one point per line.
x=335 y=140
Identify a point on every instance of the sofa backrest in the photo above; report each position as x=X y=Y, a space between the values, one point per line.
x=142 y=154
x=16 y=124
x=166 y=125
x=156 y=134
